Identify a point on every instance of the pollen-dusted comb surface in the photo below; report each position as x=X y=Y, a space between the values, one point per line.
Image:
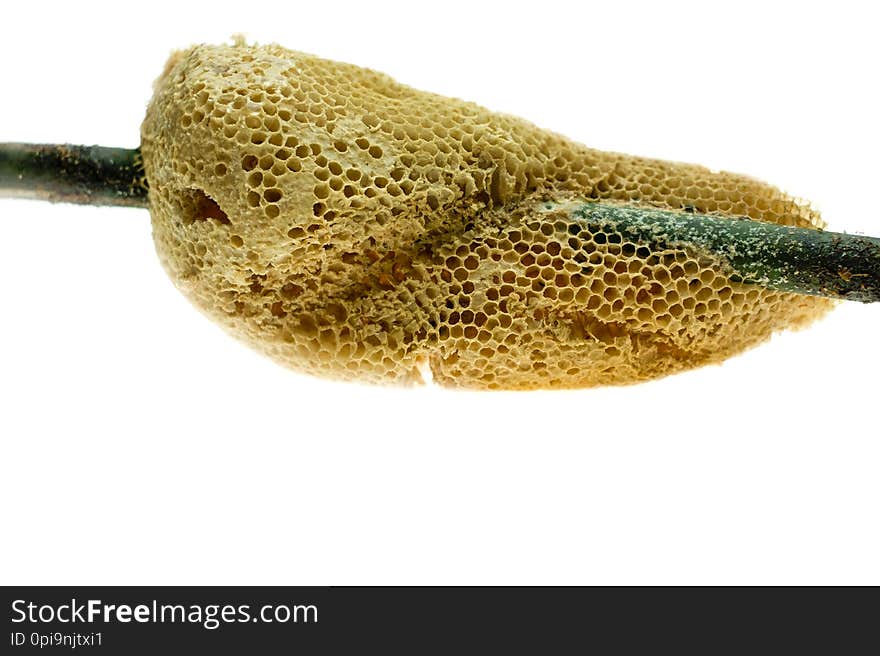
x=353 y=227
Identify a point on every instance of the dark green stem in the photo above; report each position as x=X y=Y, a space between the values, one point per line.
x=87 y=175
x=797 y=260
x=790 y=259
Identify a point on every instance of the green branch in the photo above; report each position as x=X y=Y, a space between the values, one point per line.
x=790 y=259
x=87 y=175
x=797 y=260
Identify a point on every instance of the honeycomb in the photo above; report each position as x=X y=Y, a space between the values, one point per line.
x=352 y=227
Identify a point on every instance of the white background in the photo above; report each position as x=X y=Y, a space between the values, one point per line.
x=140 y=444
